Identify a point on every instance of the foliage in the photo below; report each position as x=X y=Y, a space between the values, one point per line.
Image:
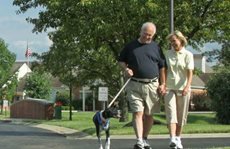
x=63 y=97
x=223 y=55
x=219 y=86
x=197 y=71
x=201 y=102
x=88 y=35
x=8 y=80
x=93 y=32
x=38 y=85
x=219 y=92
x=9 y=91
x=77 y=104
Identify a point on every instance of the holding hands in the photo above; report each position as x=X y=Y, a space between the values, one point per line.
x=128 y=72
x=162 y=89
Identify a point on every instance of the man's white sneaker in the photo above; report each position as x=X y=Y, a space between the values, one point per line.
x=138 y=146
x=146 y=144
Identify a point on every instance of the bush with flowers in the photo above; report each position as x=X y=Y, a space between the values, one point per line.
x=57 y=104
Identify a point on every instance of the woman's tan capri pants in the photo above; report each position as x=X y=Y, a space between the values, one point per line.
x=176 y=107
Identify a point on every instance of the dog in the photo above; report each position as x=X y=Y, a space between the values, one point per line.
x=102 y=122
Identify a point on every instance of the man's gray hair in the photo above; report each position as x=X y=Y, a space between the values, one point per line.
x=147 y=24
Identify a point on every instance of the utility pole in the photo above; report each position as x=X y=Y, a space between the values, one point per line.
x=171 y=16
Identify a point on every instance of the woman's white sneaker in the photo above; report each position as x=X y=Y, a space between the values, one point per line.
x=179 y=144
x=173 y=143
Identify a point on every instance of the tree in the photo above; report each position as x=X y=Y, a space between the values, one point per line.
x=92 y=33
x=219 y=91
x=7 y=60
x=38 y=85
x=219 y=86
x=224 y=55
x=7 y=79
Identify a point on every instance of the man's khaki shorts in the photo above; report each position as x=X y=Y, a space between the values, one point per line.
x=176 y=107
x=143 y=97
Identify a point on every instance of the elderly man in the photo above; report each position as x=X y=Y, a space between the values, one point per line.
x=144 y=62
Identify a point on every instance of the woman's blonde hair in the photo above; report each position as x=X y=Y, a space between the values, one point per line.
x=179 y=35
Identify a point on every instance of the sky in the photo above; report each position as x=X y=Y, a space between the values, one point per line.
x=16 y=31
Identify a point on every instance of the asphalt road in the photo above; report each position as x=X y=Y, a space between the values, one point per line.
x=22 y=136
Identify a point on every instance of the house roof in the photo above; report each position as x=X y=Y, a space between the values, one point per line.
x=205 y=77
x=56 y=83
x=201 y=80
x=16 y=66
x=197 y=81
x=208 y=69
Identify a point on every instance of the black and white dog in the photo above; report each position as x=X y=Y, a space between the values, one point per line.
x=102 y=121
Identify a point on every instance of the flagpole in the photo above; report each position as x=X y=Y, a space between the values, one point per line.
x=28 y=63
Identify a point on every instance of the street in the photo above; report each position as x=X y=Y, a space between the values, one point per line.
x=23 y=136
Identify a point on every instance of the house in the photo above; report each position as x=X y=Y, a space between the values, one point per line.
x=199 y=81
x=199 y=98
x=21 y=69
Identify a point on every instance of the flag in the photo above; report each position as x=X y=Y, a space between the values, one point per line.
x=28 y=52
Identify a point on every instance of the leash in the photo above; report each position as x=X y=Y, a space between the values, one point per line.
x=119 y=92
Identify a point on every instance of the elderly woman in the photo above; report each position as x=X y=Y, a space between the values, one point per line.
x=180 y=65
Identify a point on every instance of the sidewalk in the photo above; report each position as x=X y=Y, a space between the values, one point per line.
x=75 y=134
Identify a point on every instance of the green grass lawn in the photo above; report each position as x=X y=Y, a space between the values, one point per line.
x=221 y=148
x=82 y=121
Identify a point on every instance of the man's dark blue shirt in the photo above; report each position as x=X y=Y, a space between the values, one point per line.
x=144 y=59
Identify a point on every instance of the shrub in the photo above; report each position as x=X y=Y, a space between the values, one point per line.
x=219 y=92
x=63 y=97
x=38 y=85
x=201 y=102
x=77 y=104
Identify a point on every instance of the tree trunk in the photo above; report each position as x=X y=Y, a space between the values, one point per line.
x=70 y=102
x=124 y=108
x=123 y=104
